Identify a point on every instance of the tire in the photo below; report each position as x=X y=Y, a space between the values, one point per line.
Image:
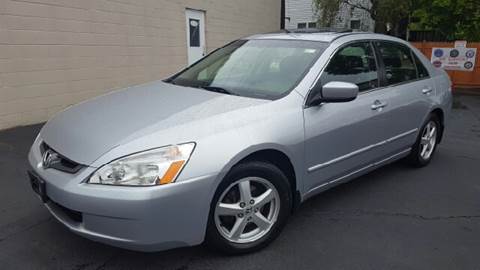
x=417 y=157
x=261 y=177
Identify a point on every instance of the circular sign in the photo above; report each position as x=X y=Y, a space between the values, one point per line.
x=389 y=75
x=468 y=65
x=438 y=53
x=194 y=23
x=454 y=53
x=470 y=54
x=437 y=64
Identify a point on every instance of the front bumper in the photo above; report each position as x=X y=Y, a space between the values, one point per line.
x=137 y=218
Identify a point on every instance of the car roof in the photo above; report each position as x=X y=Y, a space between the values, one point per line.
x=328 y=36
x=323 y=37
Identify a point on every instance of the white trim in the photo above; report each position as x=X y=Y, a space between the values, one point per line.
x=359 y=151
x=370 y=166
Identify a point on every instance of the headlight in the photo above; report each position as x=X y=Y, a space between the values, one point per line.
x=154 y=167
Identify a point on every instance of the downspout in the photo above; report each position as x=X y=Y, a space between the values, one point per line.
x=282 y=14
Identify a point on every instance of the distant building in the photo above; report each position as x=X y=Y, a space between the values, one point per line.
x=302 y=14
x=355 y=18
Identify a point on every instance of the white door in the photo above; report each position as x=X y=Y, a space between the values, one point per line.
x=195 y=35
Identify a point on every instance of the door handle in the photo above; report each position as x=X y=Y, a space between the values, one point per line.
x=427 y=90
x=377 y=105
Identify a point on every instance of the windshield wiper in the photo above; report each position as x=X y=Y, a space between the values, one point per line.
x=218 y=90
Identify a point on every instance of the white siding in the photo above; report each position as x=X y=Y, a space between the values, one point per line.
x=299 y=11
x=303 y=11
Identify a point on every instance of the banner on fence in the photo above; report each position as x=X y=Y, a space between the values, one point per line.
x=459 y=58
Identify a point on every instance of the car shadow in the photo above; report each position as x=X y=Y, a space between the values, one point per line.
x=181 y=258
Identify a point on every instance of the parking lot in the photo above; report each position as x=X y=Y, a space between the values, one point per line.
x=394 y=218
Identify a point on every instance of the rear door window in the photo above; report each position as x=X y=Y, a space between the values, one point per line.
x=398 y=62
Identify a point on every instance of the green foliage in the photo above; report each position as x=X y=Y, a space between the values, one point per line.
x=455 y=19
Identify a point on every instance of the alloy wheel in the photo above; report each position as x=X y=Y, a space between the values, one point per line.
x=247 y=210
x=428 y=140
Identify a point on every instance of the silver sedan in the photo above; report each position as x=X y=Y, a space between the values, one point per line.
x=225 y=150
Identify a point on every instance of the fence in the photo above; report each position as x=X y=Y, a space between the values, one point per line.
x=460 y=79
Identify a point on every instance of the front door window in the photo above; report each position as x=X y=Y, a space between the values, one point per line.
x=355 y=64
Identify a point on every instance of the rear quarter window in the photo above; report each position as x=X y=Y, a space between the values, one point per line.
x=421 y=69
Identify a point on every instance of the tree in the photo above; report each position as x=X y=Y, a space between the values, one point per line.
x=397 y=14
x=454 y=19
x=328 y=9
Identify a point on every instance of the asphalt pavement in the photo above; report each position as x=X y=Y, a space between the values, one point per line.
x=394 y=218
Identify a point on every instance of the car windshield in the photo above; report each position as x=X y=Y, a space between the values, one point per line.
x=267 y=69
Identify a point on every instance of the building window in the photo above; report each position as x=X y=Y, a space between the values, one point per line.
x=194 y=27
x=302 y=25
x=355 y=24
x=312 y=25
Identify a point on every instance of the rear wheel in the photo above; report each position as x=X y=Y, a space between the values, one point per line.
x=426 y=144
x=249 y=209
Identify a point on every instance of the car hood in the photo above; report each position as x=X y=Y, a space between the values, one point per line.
x=86 y=131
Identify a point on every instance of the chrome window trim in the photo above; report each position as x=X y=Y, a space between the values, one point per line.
x=360 y=151
x=393 y=85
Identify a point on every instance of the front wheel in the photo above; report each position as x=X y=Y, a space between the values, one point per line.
x=249 y=208
x=426 y=144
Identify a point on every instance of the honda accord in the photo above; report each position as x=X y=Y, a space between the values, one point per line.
x=225 y=150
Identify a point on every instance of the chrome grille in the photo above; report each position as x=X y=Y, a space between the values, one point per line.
x=61 y=163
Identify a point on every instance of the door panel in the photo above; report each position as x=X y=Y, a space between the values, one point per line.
x=408 y=95
x=195 y=20
x=344 y=137
x=409 y=104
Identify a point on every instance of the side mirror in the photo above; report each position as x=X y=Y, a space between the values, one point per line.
x=333 y=92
